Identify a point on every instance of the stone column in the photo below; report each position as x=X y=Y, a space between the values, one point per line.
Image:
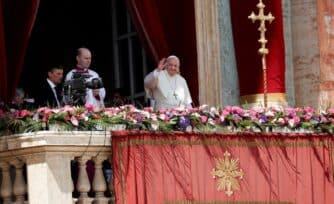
x=289 y=68
x=325 y=18
x=99 y=182
x=19 y=188
x=229 y=74
x=208 y=52
x=306 y=54
x=49 y=178
x=83 y=185
x=6 y=184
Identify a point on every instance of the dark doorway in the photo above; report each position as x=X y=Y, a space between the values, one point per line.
x=61 y=27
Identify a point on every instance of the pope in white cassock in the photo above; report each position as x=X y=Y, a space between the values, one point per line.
x=166 y=86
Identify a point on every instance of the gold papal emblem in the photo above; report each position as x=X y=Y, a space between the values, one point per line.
x=228 y=173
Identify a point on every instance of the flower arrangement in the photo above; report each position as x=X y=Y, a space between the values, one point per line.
x=203 y=118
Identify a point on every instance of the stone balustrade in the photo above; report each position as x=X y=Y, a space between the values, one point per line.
x=36 y=168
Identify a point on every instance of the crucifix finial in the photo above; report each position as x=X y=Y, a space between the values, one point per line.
x=263 y=51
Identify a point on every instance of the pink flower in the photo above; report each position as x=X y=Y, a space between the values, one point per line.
x=331 y=120
x=237 y=110
x=310 y=110
x=204 y=119
x=163 y=117
x=45 y=110
x=290 y=111
x=24 y=113
x=83 y=116
x=89 y=107
x=296 y=119
x=331 y=111
x=148 y=109
x=40 y=110
x=324 y=120
x=258 y=109
x=111 y=111
x=307 y=117
x=225 y=113
x=69 y=109
x=74 y=121
x=270 y=114
x=67 y=118
x=281 y=121
x=192 y=110
x=222 y=119
x=162 y=111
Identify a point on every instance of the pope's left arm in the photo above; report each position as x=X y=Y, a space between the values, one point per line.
x=187 y=99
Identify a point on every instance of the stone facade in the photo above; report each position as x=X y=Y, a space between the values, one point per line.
x=309 y=42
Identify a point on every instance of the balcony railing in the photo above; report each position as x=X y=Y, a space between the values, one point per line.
x=50 y=167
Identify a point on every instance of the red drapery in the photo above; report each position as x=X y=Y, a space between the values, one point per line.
x=16 y=21
x=168 y=27
x=246 y=36
x=179 y=168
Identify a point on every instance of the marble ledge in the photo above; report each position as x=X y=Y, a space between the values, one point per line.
x=55 y=138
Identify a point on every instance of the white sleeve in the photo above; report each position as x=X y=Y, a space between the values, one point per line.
x=151 y=80
x=69 y=75
x=150 y=83
x=187 y=99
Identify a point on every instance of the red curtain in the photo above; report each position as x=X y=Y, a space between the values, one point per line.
x=16 y=21
x=268 y=168
x=246 y=36
x=168 y=27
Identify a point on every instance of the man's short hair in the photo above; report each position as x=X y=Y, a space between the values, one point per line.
x=53 y=68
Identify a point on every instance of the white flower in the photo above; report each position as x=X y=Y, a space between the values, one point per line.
x=291 y=123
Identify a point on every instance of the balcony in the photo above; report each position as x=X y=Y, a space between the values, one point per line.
x=52 y=167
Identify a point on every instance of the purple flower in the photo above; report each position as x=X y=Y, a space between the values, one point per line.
x=138 y=118
x=184 y=122
x=236 y=118
x=263 y=118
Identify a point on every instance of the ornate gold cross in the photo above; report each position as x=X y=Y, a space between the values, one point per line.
x=228 y=173
x=263 y=50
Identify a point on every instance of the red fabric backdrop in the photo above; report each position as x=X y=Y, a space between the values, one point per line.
x=177 y=167
x=246 y=36
x=168 y=27
x=16 y=21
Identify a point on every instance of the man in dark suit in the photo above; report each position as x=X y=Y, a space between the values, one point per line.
x=49 y=92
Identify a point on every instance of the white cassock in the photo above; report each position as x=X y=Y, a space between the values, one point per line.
x=167 y=91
